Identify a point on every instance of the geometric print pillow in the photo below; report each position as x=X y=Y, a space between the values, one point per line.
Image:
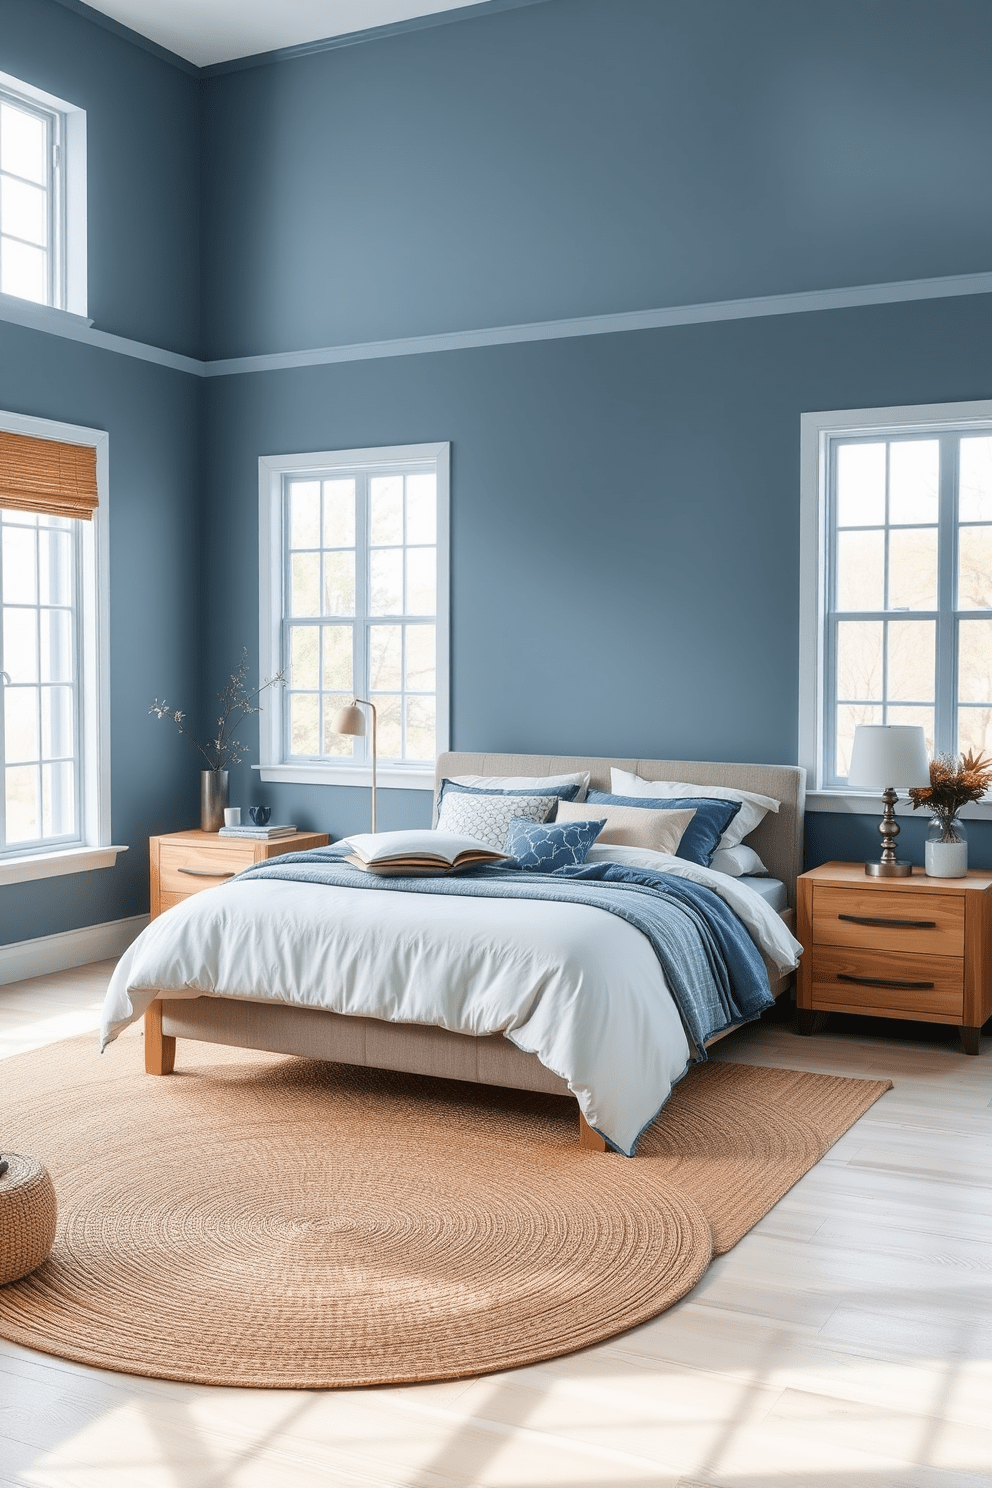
x=548 y=846
x=488 y=818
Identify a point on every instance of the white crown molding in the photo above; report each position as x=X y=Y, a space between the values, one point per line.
x=44 y=317
x=805 y=302
x=80 y=328
x=48 y=953
x=605 y=325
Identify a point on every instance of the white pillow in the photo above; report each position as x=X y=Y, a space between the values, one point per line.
x=737 y=861
x=487 y=818
x=636 y=857
x=631 y=826
x=525 y=782
x=754 y=808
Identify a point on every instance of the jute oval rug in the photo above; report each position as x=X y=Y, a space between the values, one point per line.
x=254 y=1220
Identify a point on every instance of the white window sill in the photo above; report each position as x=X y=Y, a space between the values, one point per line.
x=389 y=777
x=55 y=864
x=869 y=803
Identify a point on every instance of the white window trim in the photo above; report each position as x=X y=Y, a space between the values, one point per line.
x=816 y=430
x=73 y=172
x=271 y=470
x=96 y=850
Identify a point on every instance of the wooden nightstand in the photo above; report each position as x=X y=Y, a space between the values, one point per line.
x=184 y=863
x=913 y=947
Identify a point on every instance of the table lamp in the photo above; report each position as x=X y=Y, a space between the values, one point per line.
x=351 y=721
x=886 y=756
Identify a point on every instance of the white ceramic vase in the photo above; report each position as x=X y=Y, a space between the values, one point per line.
x=946 y=850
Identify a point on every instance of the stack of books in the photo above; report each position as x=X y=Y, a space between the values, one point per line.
x=258 y=834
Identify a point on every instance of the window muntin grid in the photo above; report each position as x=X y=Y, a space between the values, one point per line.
x=39 y=682
x=909 y=589
x=360 y=610
x=31 y=206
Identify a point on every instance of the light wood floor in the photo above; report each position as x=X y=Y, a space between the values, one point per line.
x=845 y=1343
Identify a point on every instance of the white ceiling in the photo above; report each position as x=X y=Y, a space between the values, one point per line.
x=205 y=31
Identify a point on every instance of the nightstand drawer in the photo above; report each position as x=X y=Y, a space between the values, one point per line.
x=186 y=868
x=166 y=901
x=887 y=920
x=849 y=979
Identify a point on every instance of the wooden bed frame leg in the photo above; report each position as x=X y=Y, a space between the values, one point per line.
x=589 y=1138
x=160 y=1048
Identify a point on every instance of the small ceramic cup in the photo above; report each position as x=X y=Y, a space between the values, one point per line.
x=260 y=814
x=232 y=816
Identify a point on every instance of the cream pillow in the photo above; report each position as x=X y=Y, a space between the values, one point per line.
x=754 y=808
x=631 y=826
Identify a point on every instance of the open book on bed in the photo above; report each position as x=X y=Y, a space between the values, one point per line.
x=417 y=854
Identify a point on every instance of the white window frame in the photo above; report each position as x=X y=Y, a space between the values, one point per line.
x=272 y=471
x=68 y=274
x=94 y=849
x=817 y=432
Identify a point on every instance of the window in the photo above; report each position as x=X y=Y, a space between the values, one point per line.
x=54 y=656
x=30 y=201
x=42 y=197
x=355 y=589
x=897 y=579
x=40 y=559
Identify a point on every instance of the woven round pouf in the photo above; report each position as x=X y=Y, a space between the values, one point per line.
x=27 y=1217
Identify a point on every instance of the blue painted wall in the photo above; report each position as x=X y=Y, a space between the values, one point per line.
x=587 y=156
x=625 y=523
x=152 y=417
x=625 y=507
x=143 y=177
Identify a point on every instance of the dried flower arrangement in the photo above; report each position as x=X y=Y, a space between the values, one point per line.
x=236 y=704
x=953 y=783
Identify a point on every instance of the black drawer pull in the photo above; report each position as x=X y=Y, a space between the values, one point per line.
x=205 y=873
x=893 y=924
x=884 y=982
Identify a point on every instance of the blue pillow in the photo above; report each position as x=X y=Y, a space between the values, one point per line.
x=547 y=846
x=701 y=836
x=563 y=792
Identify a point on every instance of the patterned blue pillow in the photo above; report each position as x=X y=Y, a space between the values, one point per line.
x=701 y=837
x=550 y=845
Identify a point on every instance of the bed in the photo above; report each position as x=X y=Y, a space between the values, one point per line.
x=199 y=1001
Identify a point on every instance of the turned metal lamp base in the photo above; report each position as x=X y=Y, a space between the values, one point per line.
x=894 y=869
x=889 y=866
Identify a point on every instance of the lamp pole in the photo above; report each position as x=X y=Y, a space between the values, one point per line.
x=371 y=708
x=351 y=723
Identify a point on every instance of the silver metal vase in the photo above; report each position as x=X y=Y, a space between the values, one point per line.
x=213 y=799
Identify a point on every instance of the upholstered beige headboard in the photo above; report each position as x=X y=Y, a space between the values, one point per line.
x=778 y=840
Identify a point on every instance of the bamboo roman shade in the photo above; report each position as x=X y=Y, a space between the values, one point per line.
x=43 y=475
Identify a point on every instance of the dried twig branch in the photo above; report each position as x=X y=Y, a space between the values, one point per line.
x=236 y=704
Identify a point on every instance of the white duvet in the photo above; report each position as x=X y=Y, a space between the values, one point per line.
x=578 y=987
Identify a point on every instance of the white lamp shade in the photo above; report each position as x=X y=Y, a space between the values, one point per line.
x=349 y=721
x=887 y=754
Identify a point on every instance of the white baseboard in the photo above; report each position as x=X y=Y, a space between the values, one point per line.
x=48 y=953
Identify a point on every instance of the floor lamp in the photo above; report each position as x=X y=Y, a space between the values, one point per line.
x=351 y=722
